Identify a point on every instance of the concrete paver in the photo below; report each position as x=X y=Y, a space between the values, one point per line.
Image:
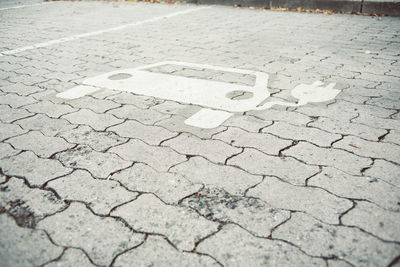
x=119 y=179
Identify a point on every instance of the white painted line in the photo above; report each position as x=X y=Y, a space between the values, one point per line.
x=207 y=118
x=21 y=6
x=83 y=35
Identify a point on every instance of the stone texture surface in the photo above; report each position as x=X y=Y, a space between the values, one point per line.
x=44 y=124
x=149 y=214
x=71 y=256
x=10 y=130
x=97 y=121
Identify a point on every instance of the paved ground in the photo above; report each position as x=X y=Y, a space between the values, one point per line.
x=118 y=179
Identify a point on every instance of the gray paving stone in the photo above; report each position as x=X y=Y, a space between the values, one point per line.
x=393 y=137
x=160 y=158
x=201 y=171
x=213 y=150
x=101 y=195
x=71 y=257
x=173 y=108
x=7 y=150
x=339 y=159
x=233 y=246
x=183 y=227
x=266 y=143
x=312 y=135
x=375 y=220
x=10 y=130
x=156 y=251
x=343 y=127
x=370 y=149
x=143 y=102
x=50 y=109
x=252 y=214
x=97 y=121
x=248 y=123
x=288 y=169
x=99 y=141
x=384 y=103
x=376 y=122
x=152 y=135
x=27 y=205
x=3 y=178
x=176 y=124
x=47 y=126
x=8 y=114
x=41 y=145
x=299 y=198
x=16 y=101
x=35 y=170
x=351 y=244
x=99 y=164
x=77 y=227
x=170 y=187
x=357 y=187
x=94 y=104
x=145 y=116
x=281 y=115
x=24 y=247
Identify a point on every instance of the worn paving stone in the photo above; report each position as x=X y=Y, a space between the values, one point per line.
x=7 y=150
x=16 y=101
x=266 y=143
x=288 y=169
x=20 y=89
x=213 y=150
x=156 y=251
x=99 y=141
x=152 y=135
x=282 y=195
x=176 y=125
x=357 y=187
x=393 y=137
x=50 y=109
x=27 y=205
x=384 y=170
x=24 y=247
x=376 y=122
x=339 y=159
x=170 y=187
x=47 y=126
x=232 y=180
x=71 y=257
x=160 y=158
x=9 y=130
x=281 y=115
x=101 y=195
x=8 y=114
x=35 y=170
x=143 y=102
x=173 y=108
x=41 y=145
x=312 y=135
x=145 y=116
x=345 y=127
x=375 y=220
x=99 y=164
x=77 y=227
x=233 y=246
x=350 y=244
x=370 y=149
x=252 y=214
x=94 y=104
x=248 y=123
x=183 y=227
x=97 y=121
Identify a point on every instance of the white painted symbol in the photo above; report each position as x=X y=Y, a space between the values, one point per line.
x=213 y=95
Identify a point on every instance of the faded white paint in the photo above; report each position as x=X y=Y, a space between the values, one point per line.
x=22 y=6
x=205 y=93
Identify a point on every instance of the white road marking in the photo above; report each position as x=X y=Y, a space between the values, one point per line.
x=21 y=6
x=208 y=118
x=83 y=35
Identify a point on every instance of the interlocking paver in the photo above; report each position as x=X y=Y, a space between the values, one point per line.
x=8 y=114
x=6 y=150
x=259 y=163
x=79 y=228
x=95 y=105
x=97 y=121
x=8 y=130
x=35 y=170
x=24 y=247
x=71 y=256
x=41 y=145
x=350 y=244
x=101 y=195
x=248 y=123
x=156 y=251
x=233 y=246
x=16 y=101
x=50 y=109
x=200 y=170
x=145 y=116
x=44 y=124
x=99 y=164
x=170 y=187
x=149 y=214
x=99 y=141
x=285 y=196
x=27 y=205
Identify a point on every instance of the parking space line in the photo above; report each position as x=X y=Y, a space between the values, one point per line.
x=21 y=6
x=83 y=35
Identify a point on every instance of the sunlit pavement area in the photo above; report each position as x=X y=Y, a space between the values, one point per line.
x=117 y=178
